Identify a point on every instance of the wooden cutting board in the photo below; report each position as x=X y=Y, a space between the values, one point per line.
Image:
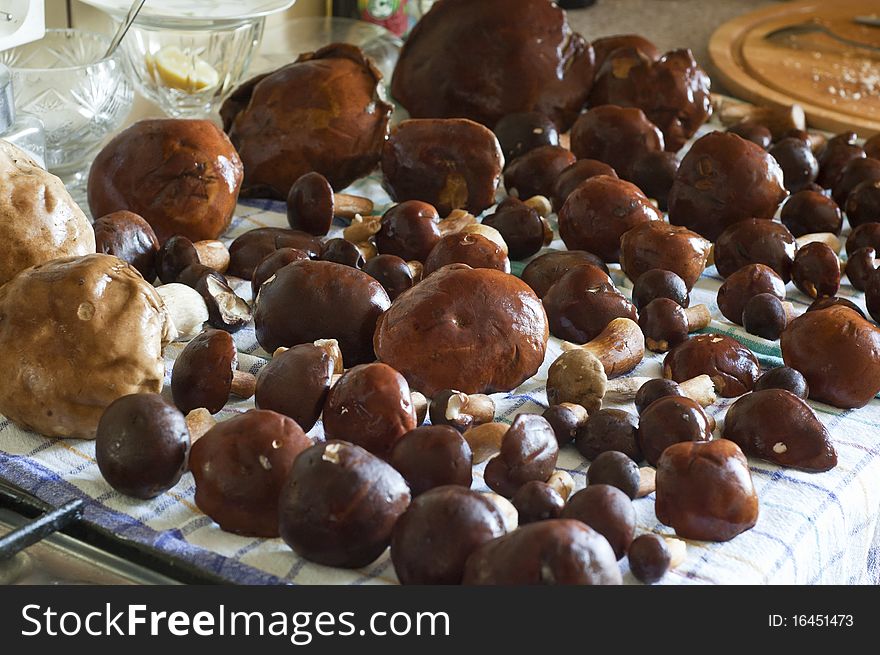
x=837 y=85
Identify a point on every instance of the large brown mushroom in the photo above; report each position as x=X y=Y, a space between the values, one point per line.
x=544 y=270
x=657 y=244
x=475 y=330
x=615 y=135
x=757 y=241
x=732 y=367
x=129 y=237
x=531 y=61
x=322 y=113
x=39 y=221
x=75 y=335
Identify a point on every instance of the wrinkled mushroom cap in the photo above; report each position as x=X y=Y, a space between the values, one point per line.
x=75 y=335
x=39 y=221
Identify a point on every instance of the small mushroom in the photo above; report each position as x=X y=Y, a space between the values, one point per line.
x=657 y=283
x=537 y=501
x=700 y=389
x=340 y=505
x=753 y=131
x=543 y=271
x=616 y=469
x=342 y=251
x=370 y=406
x=746 y=283
x=528 y=452
x=129 y=237
x=605 y=45
x=779 y=427
x=178 y=253
x=705 y=490
x=766 y=316
x=811 y=212
x=311 y=204
x=732 y=367
x=872 y=147
x=206 y=373
x=524 y=231
x=460 y=410
x=786 y=378
x=573 y=176
x=394 y=274
x=665 y=323
x=474 y=250
x=860 y=266
x=816 y=270
x=296 y=381
x=535 y=172
x=252 y=247
x=609 y=430
x=654 y=173
x=556 y=551
x=226 y=310
x=615 y=135
x=670 y=420
x=409 y=230
x=838 y=152
x=432 y=456
x=855 y=172
x=864 y=236
x=648 y=555
x=607 y=510
x=799 y=166
x=659 y=245
x=439 y=530
x=565 y=419
x=863 y=204
x=273 y=263
x=822 y=303
x=755 y=241
x=521 y=132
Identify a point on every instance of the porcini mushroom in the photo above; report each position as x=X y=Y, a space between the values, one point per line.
x=273 y=263
x=670 y=420
x=528 y=452
x=572 y=177
x=816 y=270
x=659 y=245
x=311 y=204
x=544 y=270
x=811 y=212
x=755 y=241
x=179 y=253
x=433 y=456
x=129 y=237
x=535 y=172
x=409 y=230
x=460 y=410
x=520 y=132
x=608 y=511
x=657 y=283
x=746 y=283
x=620 y=347
x=665 y=323
x=252 y=247
x=732 y=367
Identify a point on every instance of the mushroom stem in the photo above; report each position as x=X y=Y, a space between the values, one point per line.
x=485 y=440
x=457 y=220
x=331 y=347
x=199 y=421
x=700 y=389
x=187 y=310
x=508 y=511
x=362 y=228
x=243 y=384
x=562 y=482
x=788 y=307
x=625 y=388
x=368 y=250
x=647 y=481
x=541 y=205
x=829 y=239
x=698 y=317
x=213 y=254
x=420 y=405
x=417 y=269
x=348 y=206
x=620 y=347
x=779 y=119
x=677 y=551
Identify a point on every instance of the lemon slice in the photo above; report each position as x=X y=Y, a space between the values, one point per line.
x=184 y=71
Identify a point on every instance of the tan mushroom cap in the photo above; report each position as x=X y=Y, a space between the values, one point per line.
x=39 y=221
x=75 y=335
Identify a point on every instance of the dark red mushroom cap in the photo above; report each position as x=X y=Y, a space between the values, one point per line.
x=202 y=374
x=310 y=204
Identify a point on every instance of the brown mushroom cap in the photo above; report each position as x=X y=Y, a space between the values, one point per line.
x=556 y=551
x=523 y=230
x=75 y=335
x=606 y=509
x=838 y=353
x=581 y=303
x=240 y=466
x=475 y=330
x=432 y=456
x=202 y=374
x=272 y=263
x=340 y=504
x=393 y=273
x=129 y=237
x=854 y=173
x=520 y=132
x=322 y=113
x=799 y=166
x=607 y=44
x=252 y=247
x=657 y=244
x=181 y=176
x=296 y=382
x=39 y=221
x=452 y=163
x=543 y=271
x=724 y=179
x=573 y=176
x=371 y=407
x=475 y=250
x=599 y=212
x=816 y=270
x=310 y=204
x=745 y=284
x=532 y=62
x=310 y=300
x=705 y=490
x=757 y=241
x=654 y=173
x=669 y=420
x=732 y=367
x=409 y=230
x=615 y=135
x=776 y=425
x=864 y=236
x=664 y=324
x=749 y=130
x=863 y=204
x=529 y=451
x=535 y=172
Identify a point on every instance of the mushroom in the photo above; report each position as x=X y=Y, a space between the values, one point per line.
x=524 y=231
x=778 y=119
x=657 y=283
x=779 y=427
x=816 y=270
x=860 y=266
x=311 y=204
x=752 y=131
x=620 y=347
x=371 y=407
x=537 y=501
x=724 y=179
x=608 y=511
x=452 y=163
x=206 y=373
x=409 y=230
x=705 y=490
x=440 y=529
x=460 y=410
x=433 y=456
x=784 y=377
x=650 y=555
x=296 y=381
x=855 y=172
x=863 y=204
x=475 y=330
x=872 y=147
x=659 y=245
x=616 y=469
x=142 y=445
x=556 y=551
x=252 y=247
x=521 y=132
x=582 y=303
x=838 y=352
x=700 y=389
x=474 y=250
x=340 y=505
x=179 y=253
x=746 y=283
x=757 y=241
x=310 y=300
x=607 y=44
x=797 y=161
x=609 y=430
x=615 y=135
x=342 y=251
x=665 y=323
x=573 y=176
x=543 y=271
x=599 y=212
x=528 y=452
x=76 y=334
x=670 y=420
x=766 y=316
x=240 y=467
x=324 y=112
x=273 y=263
x=129 y=237
x=39 y=221
x=226 y=310
x=394 y=274
x=654 y=173
x=187 y=311
x=181 y=176
x=838 y=152
x=822 y=303
x=565 y=419
x=732 y=367
x=535 y=172
x=864 y=236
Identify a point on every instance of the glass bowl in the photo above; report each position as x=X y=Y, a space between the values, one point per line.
x=80 y=95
